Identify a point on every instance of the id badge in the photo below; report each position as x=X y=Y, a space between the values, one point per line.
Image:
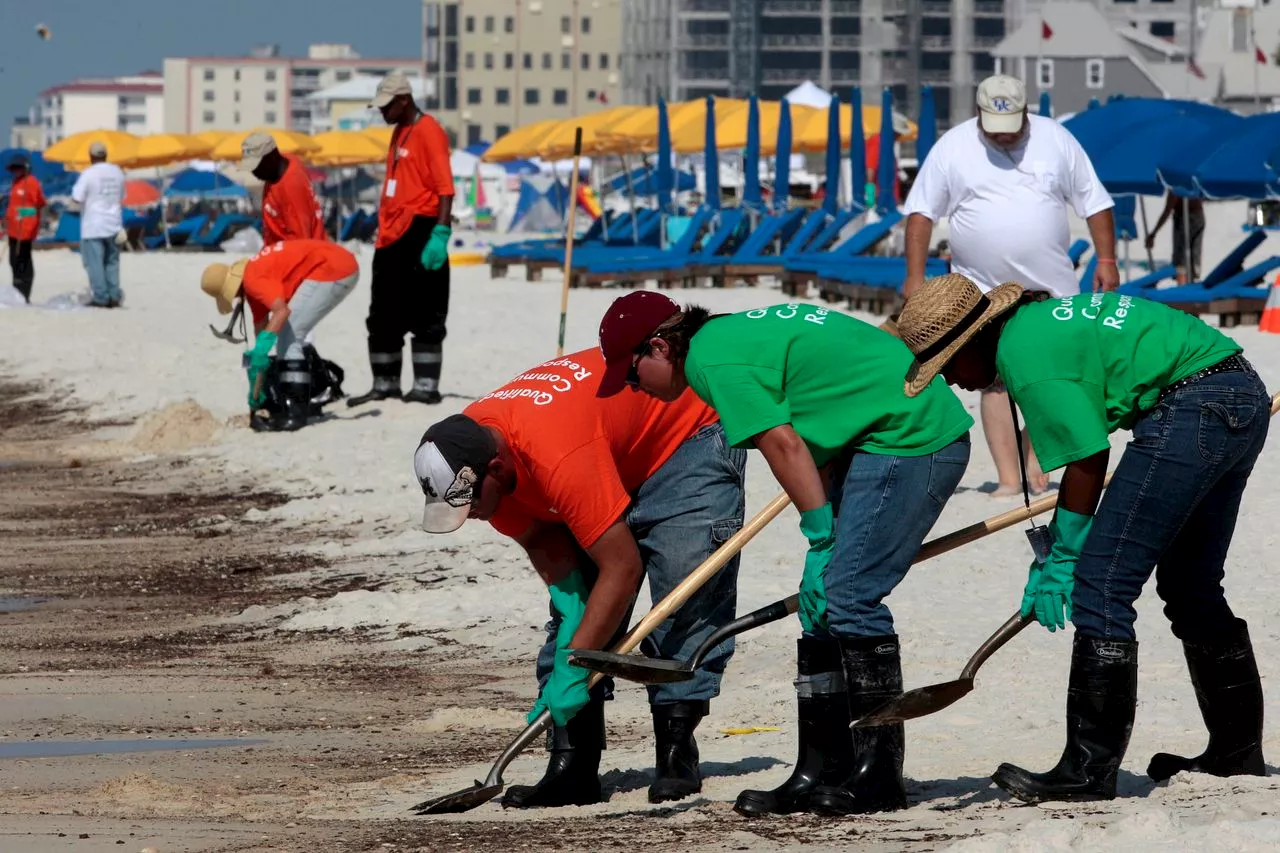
x=244 y=361
x=1041 y=539
x=391 y=188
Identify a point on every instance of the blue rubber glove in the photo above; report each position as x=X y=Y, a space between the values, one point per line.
x=1048 y=592
x=436 y=251
x=565 y=693
x=259 y=359
x=818 y=526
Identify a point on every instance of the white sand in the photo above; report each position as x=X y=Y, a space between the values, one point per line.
x=157 y=353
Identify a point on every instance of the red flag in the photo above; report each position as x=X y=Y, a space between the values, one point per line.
x=1194 y=69
x=1046 y=31
x=1259 y=55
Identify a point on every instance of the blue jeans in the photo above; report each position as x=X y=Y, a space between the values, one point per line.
x=885 y=507
x=1172 y=507
x=101 y=259
x=680 y=516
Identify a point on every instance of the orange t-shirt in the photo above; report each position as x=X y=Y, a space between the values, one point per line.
x=278 y=270
x=290 y=210
x=579 y=458
x=26 y=193
x=418 y=174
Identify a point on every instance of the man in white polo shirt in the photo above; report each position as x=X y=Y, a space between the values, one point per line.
x=1003 y=180
x=100 y=192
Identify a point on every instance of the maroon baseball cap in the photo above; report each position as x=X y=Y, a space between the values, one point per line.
x=629 y=322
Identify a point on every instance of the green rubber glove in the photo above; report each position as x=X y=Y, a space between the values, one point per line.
x=436 y=251
x=1048 y=592
x=818 y=526
x=26 y=211
x=565 y=693
x=259 y=359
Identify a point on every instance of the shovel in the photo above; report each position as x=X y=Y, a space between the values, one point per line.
x=483 y=792
x=228 y=334
x=648 y=670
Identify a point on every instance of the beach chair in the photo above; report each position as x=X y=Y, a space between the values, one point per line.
x=1237 y=299
x=65 y=233
x=179 y=234
x=801 y=269
x=759 y=252
x=222 y=228
x=351 y=228
x=708 y=234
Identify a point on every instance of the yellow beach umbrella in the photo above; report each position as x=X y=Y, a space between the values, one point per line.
x=382 y=135
x=522 y=143
x=161 y=149
x=687 y=121
x=345 y=148
x=731 y=127
x=213 y=137
x=559 y=143
x=812 y=134
x=288 y=141
x=73 y=151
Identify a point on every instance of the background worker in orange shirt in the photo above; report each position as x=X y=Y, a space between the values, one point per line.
x=22 y=222
x=411 y=256
x=290 y=210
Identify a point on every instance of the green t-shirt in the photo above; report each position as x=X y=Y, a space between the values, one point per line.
x=835 y=379
x=1084 y=366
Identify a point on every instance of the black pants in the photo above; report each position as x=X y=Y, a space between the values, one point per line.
x=407 y=297
x=24 y=271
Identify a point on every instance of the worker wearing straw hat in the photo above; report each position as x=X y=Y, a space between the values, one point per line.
x=22 y=222
x=1081 y=367
x=289 y=287
x=290 y=210
x=410 y=291
x=870 y=473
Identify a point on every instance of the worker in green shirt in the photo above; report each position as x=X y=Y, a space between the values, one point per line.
x=1080 y=368
x=819 y=394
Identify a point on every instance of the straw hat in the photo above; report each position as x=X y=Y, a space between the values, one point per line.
x=223 y=282
x=941 y=317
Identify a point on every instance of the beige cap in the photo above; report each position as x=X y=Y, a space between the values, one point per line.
x=392 y=86
x=254 y=148
x=223 y=282
x=97 y=149
x=1002 y=102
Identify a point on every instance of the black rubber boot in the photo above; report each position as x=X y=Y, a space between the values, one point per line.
x=1101 y=698
x=1229 y=690
x=572 y=777
x=295 y=397
x=677 y=775
x=427 y=362
x=386 y=379
x=825 y=753
x=873 y=675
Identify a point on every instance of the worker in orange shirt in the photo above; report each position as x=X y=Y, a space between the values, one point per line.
x=289 y=288
x=411 y=255
x=600 y=493
x=290 y=210
x=22 y=222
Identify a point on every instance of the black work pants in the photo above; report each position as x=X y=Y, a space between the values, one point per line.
x=407 y=297
x=24 y=271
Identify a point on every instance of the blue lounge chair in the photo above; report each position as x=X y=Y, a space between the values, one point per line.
x=802 y=268
x=704 y=241
x=179 y=234
x=223 y=227
x=351 y=228
x=65 y=233
x=1228 y=267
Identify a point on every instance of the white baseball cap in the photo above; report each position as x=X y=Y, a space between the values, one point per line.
x=450 y=464
x=255 y=147
x=391 y=87
x=1002 y=103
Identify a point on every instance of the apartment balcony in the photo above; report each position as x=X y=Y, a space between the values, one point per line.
x=845 y=8
x=986 y=42
x=935 y=42
x=703 y=41
x=786 y=75
x=893 y=7
x=704 y=74
x=788 y=8
x=988 y=8
x=813 y=42
x=703 y=9
x=936 y=7
x=846 y=41
x=933 y=75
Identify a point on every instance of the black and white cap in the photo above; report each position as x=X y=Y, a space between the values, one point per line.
x=450 y=464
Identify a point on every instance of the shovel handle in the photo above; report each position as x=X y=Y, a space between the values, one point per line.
x=754 y=619
x=1003 y=634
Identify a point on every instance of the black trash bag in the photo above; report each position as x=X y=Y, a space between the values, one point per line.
x=326 y=382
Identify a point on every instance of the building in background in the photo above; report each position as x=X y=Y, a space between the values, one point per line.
x=263 y=88
x=1169 y=20
x=498 y=64
x=346 y=105
x=26 y=132
x=134 y=104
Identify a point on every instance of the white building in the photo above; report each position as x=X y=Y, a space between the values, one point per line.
x=134 y=104
x=346 y=105
x=264 y=88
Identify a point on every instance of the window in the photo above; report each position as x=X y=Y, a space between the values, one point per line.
x=235 y=96
x=473 y=96
x=269 y=117
x=586 y=25
x=546 y=62
x=1240 y=40
x=531 y=97
x=451 y=21
x=586 y=61
x=235 y=117
x=1094 y=73
x=566 y=25
x=208 y=96
x=270 y=96
x=488 y=23
x=488 y=62
x=342 y=76
x=508 y=24
x=269 y=75
x=473 y=134
x=236 y=75
x=591 y=94
x=501 y=96
x=560 y=97
x=470 y=23
x=501 y=130
x=604 y=62
x=469 y=61
x=1044 y=73
x=528 y=62
x=208 y=74
x=566 y=61
x=208 y=116
x=509 y=61
x=1163 y=29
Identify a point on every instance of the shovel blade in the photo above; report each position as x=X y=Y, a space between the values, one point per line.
x=637 y=668
x=459 y=801
x=916 y=703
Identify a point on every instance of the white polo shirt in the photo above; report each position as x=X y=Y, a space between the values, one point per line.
x=100 y=192
x=1007 y=208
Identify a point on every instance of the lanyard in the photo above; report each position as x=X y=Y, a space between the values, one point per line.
x=396 y=144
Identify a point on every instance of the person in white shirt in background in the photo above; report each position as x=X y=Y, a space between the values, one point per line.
x=100 y=193
x=1003 y=180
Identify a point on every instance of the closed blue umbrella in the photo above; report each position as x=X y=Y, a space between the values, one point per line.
x=1094 y=103
x=857 y=150
x=928 y=132
x=885 y=201
x=831 y=203
x=711 y=159
x=1130 y=165
x=782 y=158
x=751 y=196
x=1046 y=105
x=665 y=178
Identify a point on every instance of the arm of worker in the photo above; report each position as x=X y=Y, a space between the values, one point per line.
x=1170 y=202
x=919 y=233
x=928 y=201
x=1102 y=229
x=277 y=316
x=80 y=189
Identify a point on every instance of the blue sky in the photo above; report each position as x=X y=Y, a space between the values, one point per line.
x=105 y=38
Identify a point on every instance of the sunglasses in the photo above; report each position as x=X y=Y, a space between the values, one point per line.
x=633 y=375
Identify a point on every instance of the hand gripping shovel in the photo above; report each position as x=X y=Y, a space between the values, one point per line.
x=483 y=792
x=648 y=670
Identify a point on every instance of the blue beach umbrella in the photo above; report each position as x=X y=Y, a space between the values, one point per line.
x=831 y=203
x=1046 y=105
x=751 y=196
x=665 y=178
x=711 y=159
x=887 y=168
x=927 y=135
x=857 y=149
x=782 y=158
